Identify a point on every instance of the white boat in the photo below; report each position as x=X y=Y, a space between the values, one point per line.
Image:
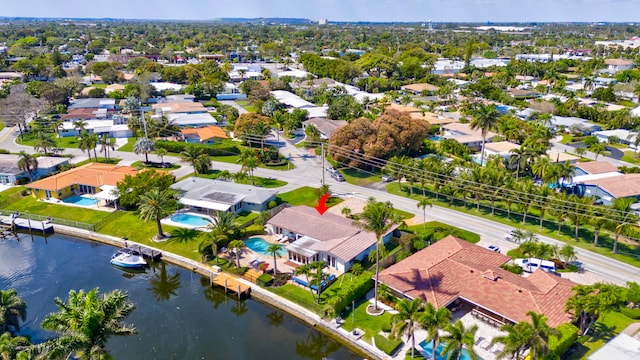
x=127 y=258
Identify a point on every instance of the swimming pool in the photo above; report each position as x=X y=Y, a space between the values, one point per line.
x=260 y=246
x=427 y=346
x=191 y=220
x=80 y=200
x=435 y=138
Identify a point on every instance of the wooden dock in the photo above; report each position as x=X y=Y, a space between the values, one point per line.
x=145 y=252
x=230 y=284
x=17 y=223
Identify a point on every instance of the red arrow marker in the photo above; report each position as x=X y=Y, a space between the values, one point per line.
x=322 y=204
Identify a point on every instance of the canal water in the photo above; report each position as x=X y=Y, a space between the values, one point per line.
x=177 y=315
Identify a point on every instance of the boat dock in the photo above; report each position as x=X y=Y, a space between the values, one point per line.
x=230 y=284
x=17 y=223
x=145 y=252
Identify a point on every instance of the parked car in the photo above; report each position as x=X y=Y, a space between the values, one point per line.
x=533 y=264
x=509 y=235
x=337 y=176
x=387 y=178
x=493 y=248
x=331 y=169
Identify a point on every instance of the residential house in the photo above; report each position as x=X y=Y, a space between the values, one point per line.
x=91 y=178
x=522 y=94
x=230 y=92
x=609 y=186
x=85 y=114
x=10 y=174
x=499 y=148
x=183 y=120
x=325 y=127
x=616 y=65
x=166 y=86
x=625 y=137
x=208 y=196
x=331 y=238
x=453 y=273
x=594 y=168
x=293 y=101
x=573 y=123
x=204 y=135
x=92 y=103
x=179 y=107
x=446 y=66
x=419 y=89
x=113 y=128
x=463 y=134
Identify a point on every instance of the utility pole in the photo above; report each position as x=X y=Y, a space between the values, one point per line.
x=144 y=122
x=322 y=151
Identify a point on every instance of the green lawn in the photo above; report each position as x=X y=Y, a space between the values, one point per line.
x=259 y=181
x=234 y=159
x=566 y=139
x=247 y=106
x=630 y=157
x=606 y=328
x=1 y=126
x=63 y=142
x=359 y=177
x=29 y=205
x=184 y=242
x=438 y=230
x=305 y=196
x=299 y=295
x=128 y=146
x=142 y=164
x=369 y=324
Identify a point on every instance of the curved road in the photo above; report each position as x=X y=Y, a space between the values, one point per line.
x=308 y=172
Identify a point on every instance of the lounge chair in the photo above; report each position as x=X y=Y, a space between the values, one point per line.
x=284 y=238
x=484 y=344
x=254 y=261
x=495 y=349
x=479 y=340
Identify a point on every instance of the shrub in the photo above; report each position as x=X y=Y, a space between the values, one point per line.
x=255 y=229
x=401 y=255
x=351 y=291
x=386 y=326
x=264 y=280
x=568 y=336
x=419 y=245
x=389 y=346
x=281 y=279
x=271 y=204
x=512 y=268
x=356 y=269
x=3 y=151
x=224 y=148
x=633 y=313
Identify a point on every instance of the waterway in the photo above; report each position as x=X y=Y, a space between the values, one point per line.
x=177 y=315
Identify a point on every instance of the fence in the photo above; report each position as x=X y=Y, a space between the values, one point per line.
x=36 y=217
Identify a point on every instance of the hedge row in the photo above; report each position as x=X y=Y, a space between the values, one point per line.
x=559 y=346
x=351 y=291
x=224 y=148
x=631 y=313
x=389 y=346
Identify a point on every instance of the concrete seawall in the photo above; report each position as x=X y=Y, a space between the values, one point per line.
x=257 y=292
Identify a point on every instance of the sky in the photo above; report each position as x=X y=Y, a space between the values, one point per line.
x=335 y=10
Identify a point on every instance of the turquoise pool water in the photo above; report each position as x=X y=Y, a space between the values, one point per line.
x=190 y=219
x=435 y=138
x=260 y=246
x=426 y=346
x=79 y=200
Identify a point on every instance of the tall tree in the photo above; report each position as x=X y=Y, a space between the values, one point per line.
x=156 y=204
x=433 y=320
x=378 y=218
x=515 y=341
x=538 y=342
x=422 y=204
x=274 y=249
x=143 y=146
x=404 y=321
x=457 y=338
x=86 y=322
x=249 y=161
x=27 y=163
x=622 y=219
x=485 y=118
x=195 y=156
x=13 y=309
x=44 y=142
x=237 y=246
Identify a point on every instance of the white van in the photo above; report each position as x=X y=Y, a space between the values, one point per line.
x=533 y=264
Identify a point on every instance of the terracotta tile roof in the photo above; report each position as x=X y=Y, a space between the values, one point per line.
x=82 y=113
x=431 y=118
x=205 y=133
x=620 y=186
x=403 y=108
x=502 y=147
x=420 y=87
x=596 y=167
x=618 y=62
x=92 y=174
x=453 y=268
x=181 y=106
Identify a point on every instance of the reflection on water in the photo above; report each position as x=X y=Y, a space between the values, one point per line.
x=178 y=315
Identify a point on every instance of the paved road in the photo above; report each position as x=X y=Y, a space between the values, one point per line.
x=308 y=172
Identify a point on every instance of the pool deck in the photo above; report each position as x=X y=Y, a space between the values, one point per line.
x=92 y=207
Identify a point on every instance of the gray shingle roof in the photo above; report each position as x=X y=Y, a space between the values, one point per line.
x=221 y=191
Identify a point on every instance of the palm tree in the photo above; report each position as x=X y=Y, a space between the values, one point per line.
x=433 y=320
x=315 y=275
x=106 y=143
x=598 y=220
x=210 y=243
x=161 y=153
x=92 y=142
x=515 y=340
x=224 y=223
x=405 y=319
x=195 y=156
x=577 y=304
x=80 y=125
x=422 y=204
x=86 y=322
x=156 y=204
x=10 y=347
x=13 y=309
x=84 y=143
x=623 y=219
x=458 y=338
x=27 y=163
x=485 y=118
x=378 y=218
x=249 y=161
x=237 y=246
x=43 y=142
x=396 y=167
x=274 y=249
x=538 y=342
x=143 y=146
